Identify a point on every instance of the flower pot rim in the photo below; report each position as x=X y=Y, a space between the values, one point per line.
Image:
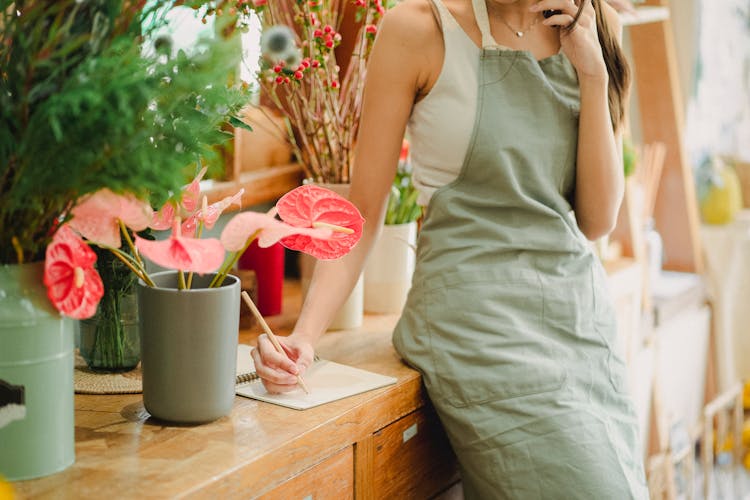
x=229 y=280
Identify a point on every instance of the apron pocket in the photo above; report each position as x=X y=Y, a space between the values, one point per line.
x=569 y=309
x=486 y=338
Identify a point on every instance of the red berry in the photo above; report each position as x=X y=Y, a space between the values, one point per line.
x=298 y=75
x=328 y=28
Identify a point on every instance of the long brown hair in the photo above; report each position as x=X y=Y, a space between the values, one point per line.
x=614 y=58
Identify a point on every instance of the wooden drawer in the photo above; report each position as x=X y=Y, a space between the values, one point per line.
x=412 y=458
x=331 y=478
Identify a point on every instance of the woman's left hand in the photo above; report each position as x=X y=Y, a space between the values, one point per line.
x=580 y=43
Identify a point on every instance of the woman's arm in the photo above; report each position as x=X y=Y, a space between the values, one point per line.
x=599 y=173
x=600 y=178
x=395 y=71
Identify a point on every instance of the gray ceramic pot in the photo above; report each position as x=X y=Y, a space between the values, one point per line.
x=189 y=347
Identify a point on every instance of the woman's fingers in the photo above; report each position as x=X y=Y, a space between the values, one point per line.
x=566 y=12
x=279 y=371
x=560 y=20
x=272 y=366
x=567 y=7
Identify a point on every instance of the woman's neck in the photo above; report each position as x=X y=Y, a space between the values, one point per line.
x=513 y=12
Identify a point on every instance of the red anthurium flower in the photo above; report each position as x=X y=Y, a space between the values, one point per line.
x=404 y=155
x=314 y=206
x=245 y=224
x=186 y=254
x=97 y=217
x=73 y=285
x=210 y=214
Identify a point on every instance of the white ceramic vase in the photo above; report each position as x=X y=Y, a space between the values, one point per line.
x=389 y=269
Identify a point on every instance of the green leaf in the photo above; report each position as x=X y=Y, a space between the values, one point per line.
x=237 y=123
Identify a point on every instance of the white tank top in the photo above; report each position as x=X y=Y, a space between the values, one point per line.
x=440 y=125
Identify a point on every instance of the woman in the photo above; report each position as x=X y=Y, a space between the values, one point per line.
x=514 y=121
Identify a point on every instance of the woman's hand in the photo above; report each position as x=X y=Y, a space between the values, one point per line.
x=580 y=43
x=278 y=371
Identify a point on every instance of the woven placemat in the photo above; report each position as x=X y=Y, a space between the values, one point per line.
x=87 y=381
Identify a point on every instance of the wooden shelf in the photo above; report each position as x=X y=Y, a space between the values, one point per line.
x=656 y=79
x=265 y=185
x=645 y=15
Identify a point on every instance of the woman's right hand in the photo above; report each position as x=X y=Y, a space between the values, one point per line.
x=278 y=371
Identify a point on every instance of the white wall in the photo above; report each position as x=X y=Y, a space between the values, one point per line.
x=713 y=36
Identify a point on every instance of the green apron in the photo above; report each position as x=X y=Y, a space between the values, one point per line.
x=508 y=318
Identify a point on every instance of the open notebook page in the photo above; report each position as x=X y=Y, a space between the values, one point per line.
x=328 y=381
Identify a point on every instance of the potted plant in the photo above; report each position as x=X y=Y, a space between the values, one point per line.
x=390 y=265
x=90 y=98
x=189 y=314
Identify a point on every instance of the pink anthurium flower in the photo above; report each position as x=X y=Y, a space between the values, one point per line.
x=187 y=204
x=97 y=217
x=210 y=214
x=191 y=194
x=314 y=206
x=186 y=254
x=162 y=220
x=245 y=224
x=73 y=285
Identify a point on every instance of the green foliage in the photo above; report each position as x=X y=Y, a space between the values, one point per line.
x=402 y=203
x=89 y=101
x=629 y=157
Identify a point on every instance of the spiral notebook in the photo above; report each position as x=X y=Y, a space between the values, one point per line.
x=327 y=380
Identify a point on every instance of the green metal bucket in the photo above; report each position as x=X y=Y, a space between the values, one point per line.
x=36 y=378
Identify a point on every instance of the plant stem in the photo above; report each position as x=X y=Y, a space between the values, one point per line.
x=131 y=245
x=198 y=234
x=219 y=278
x=126 y=259
x=17 y=247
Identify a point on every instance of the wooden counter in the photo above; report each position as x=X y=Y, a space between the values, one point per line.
x=360 y=447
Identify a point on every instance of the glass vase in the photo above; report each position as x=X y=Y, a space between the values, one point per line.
x=110 y=340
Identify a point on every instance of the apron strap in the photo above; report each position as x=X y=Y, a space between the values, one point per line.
x=483 y=21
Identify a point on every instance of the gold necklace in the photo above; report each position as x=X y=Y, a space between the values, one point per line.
x=519 y=33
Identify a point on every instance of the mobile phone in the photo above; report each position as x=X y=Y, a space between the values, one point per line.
x=549 y=13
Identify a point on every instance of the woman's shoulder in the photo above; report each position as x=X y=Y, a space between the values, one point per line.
x=412 y=21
